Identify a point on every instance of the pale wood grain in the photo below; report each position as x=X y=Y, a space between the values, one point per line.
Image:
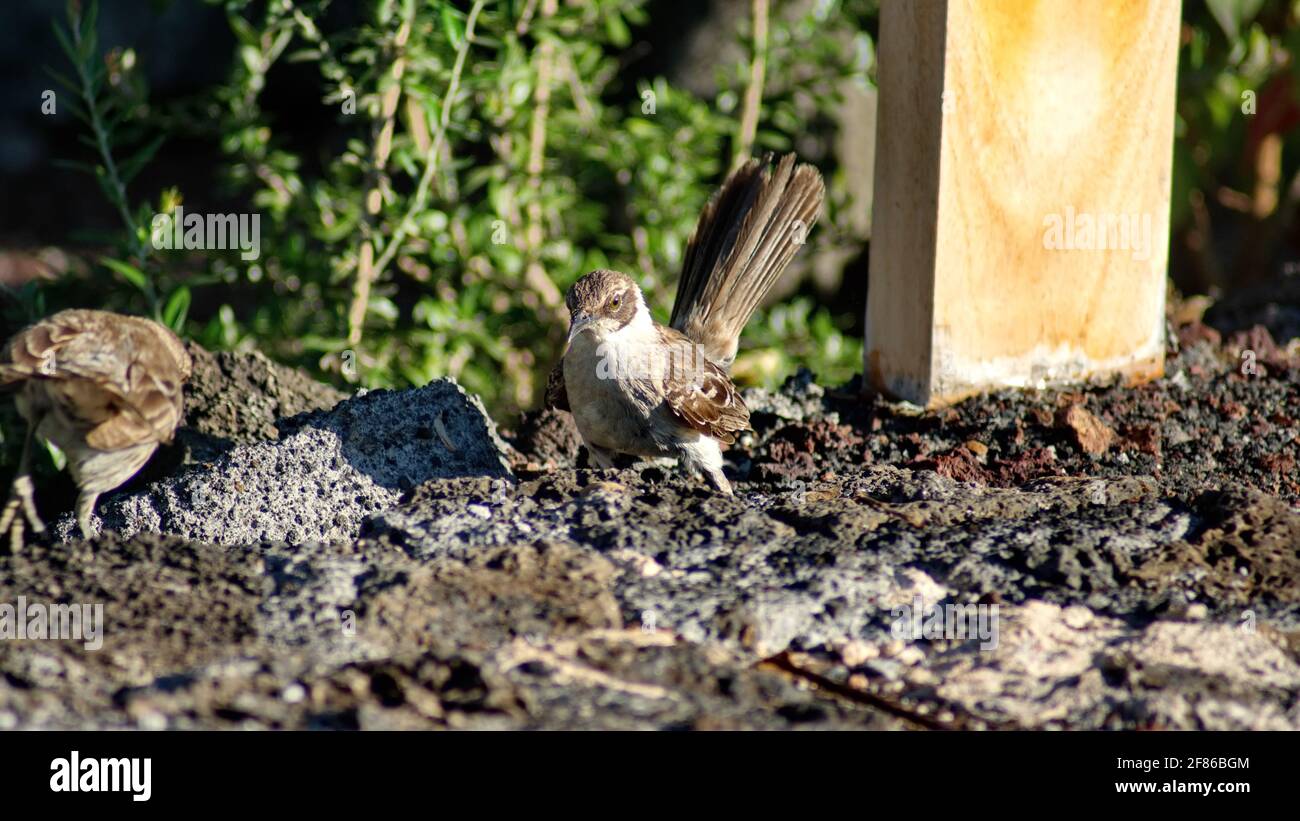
x=996 y=117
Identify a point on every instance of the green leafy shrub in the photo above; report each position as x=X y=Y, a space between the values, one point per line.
x=484 y=155
x=489 y=155
x=1236 y=183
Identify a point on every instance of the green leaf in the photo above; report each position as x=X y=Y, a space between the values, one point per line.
x=88 y=47
x=244 y=32
x=63 y=80
x=74 y=165
x=106 y=185
x=88 y=20
x=278 y=45
x=451 y=26
x=177 y=307
x=252 y=58
x=1233 y=15
x=66 y=44
x=132 y=165
x=617 y=30
x=128 y=272
x=98 y=73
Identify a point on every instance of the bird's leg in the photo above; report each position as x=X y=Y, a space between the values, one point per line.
x=85 y=509
x=704 y=455
x=21 y=496
x=601 y=457
x=27 y=490
x=718 y=479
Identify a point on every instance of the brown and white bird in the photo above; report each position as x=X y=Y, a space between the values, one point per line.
x=104 y=388
x=637 y=387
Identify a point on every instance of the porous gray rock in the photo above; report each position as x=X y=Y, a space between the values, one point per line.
x=363 y=636
x=799 y=398
x=325 y=473
x=817 y=569
x=1128 y=594
x=1103 y=673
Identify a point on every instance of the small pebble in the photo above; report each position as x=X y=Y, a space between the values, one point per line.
x=154 y=722
x=921 y=677
x=1077 y=617
x=856 y=653
x=911 y=655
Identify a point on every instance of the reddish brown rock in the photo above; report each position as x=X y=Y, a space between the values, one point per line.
x=1090 y=433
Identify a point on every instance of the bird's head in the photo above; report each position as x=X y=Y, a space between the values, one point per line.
x=604 y=302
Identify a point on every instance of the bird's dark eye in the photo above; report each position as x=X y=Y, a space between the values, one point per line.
x=613 y=303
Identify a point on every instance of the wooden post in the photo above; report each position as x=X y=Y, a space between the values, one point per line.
x=1021 y=223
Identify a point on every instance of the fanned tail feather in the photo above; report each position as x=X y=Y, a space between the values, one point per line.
x=746 y=236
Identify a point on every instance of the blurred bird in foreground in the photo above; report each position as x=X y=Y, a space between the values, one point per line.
x=102 y=387
x=637 y=387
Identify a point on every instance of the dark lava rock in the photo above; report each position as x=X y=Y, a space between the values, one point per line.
x=381 y=566
x=550 y=439
x=350 y=637
x=235 y=399
x=240 y=397
x=327 y=472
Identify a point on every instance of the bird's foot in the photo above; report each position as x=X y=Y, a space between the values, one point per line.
x=718 y=480
x=20 y=501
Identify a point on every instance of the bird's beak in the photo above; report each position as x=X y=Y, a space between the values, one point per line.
x=580 y=322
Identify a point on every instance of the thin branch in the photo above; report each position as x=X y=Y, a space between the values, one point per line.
x=581 y=99
x=754 y=90
x=421 y=194
x=525 y=17
x=534 y=274
x=114 y=179
x=382 y=139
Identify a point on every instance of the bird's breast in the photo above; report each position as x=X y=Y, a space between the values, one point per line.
x=610 y=405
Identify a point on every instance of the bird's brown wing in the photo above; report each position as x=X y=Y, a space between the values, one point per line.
x=557 y=395
x=701 y=394
x=118 y=377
